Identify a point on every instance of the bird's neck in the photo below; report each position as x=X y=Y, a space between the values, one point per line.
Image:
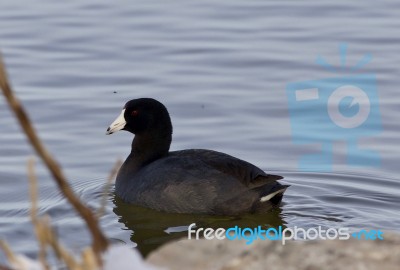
x=147 y=148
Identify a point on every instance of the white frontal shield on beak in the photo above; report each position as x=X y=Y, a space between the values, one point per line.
x=118 y=124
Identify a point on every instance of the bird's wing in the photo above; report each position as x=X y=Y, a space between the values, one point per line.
x=245 y=172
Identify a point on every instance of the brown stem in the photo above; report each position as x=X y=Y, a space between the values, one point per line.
x=99 y=240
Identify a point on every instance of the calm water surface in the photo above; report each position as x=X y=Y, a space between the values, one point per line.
x=221 y=69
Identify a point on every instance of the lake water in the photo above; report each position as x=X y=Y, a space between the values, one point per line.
x=221 y=68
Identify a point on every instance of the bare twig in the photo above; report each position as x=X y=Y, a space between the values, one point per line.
x=34 y=213
x=2 y=267
x=8 y=252
x=107 y=186
x=99 y=240
x=89 y=259
x=52 y=240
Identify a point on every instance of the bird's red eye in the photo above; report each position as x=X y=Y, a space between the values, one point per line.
x=134 y=113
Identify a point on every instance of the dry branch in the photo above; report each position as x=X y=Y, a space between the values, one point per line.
x=99 y=240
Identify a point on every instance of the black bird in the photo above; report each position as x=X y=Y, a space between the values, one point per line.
x=193 y=181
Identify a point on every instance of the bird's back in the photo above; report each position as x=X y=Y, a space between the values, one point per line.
x=198 y=181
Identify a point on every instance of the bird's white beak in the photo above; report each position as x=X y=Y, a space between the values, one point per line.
x=118 y=124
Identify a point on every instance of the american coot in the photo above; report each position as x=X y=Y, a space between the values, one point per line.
x=188 y=181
